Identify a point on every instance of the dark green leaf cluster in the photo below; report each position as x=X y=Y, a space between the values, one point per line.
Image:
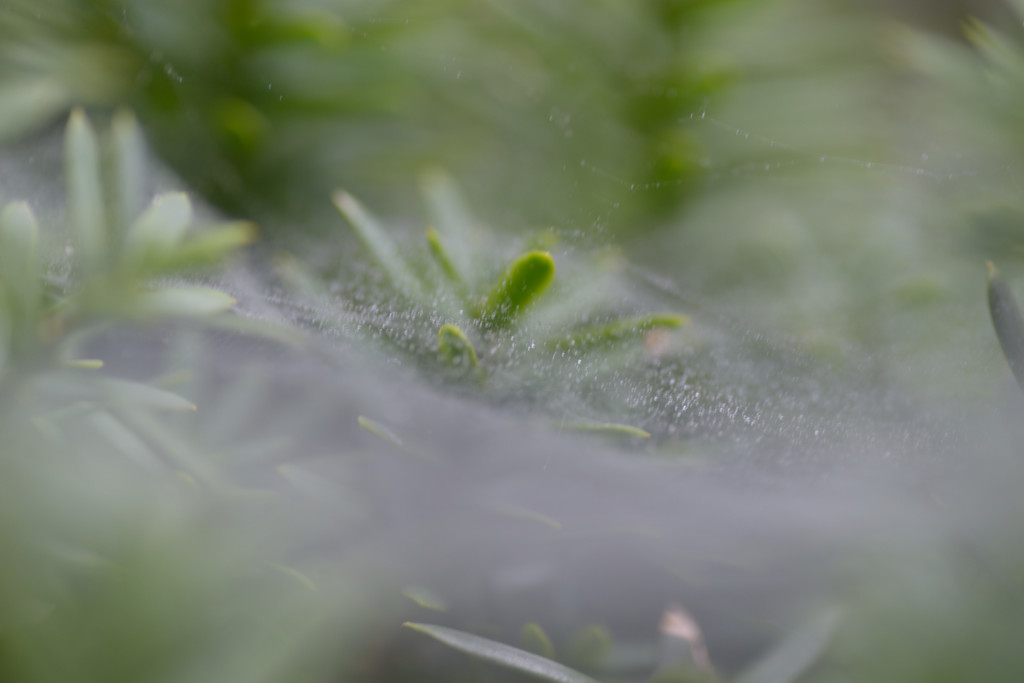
x=264 y=106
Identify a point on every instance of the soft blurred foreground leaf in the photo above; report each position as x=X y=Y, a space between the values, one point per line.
x=19 y=254
x=141 y=395
x=208 y=247
x=161 y=226
x=502 y=655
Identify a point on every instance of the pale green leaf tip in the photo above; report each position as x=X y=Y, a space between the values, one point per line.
x=18 y=222
x=455 y=348
x=175 y=196
x=517 y=512
x=425 y=599
x=295 y=574
x=79 y=128
x=85 y=364
x=433 y=175
x=380 y=431
x=77 y=116
x=124 y=118
x=20 y=211
x=440 y=253
x=187 y=478
x=533 y=639
x=250 y=231
x=345 y=202
x=540 y=256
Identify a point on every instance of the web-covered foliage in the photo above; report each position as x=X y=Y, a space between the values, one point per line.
x=227 y=461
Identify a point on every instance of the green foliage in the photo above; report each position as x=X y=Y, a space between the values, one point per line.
x=118 y=570
x=116 y=254
x=156 y=520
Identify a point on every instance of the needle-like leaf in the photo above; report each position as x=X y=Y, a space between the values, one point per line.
x=129 y=168
x=380 y=245
x=617 y=330
x=85 y=192
x=19 y=256
x=502 y=655
x=454 y=226
x=441 y=255
x=524 y=281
